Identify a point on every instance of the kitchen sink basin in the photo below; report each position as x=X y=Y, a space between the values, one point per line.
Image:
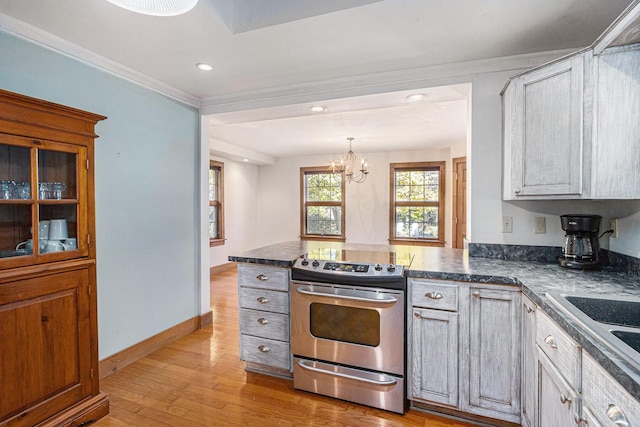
x=615 y=321
x=632 y=339
x=610 y=311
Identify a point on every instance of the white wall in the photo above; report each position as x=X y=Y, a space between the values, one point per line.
x=240 y=210
x=366 y=204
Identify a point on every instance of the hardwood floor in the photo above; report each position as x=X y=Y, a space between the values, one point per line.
x=200 y=381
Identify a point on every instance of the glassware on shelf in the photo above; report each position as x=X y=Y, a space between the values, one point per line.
x=6 y=189
x=57 y=190
x=22 y=190
x=44 y=190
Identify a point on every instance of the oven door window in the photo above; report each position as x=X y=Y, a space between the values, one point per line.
x=346 y=324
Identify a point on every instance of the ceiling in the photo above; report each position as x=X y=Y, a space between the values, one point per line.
x=267 y=48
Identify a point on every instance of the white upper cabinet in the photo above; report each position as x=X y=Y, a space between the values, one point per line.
x=572 y=127
x=544 y=139
x=616 y=125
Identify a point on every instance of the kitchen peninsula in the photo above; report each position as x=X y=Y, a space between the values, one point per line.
x=520 y=288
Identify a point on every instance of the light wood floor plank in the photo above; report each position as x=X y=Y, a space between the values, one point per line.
x=199 y=381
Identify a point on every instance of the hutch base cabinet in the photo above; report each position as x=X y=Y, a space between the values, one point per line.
x=48 y=307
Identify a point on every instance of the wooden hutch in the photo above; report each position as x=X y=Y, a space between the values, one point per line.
x=48 y=309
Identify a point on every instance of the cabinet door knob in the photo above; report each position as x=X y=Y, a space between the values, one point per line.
x=264 y=349
x=476 y=294
x=530 y=310
x=564 y=399
x=551 y=342
x=262 y=277
x=434 y=295
x=516 y=190
x=615 y=414
x=262 y=300
x=263 y=321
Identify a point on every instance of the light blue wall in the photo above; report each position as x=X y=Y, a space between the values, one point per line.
x=146 y=192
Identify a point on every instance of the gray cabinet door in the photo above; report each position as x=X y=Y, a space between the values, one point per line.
x=544 y=138
x=616 y=127
x=558 y=404
x=434 y=356
x=529 y=385
x=493 y=354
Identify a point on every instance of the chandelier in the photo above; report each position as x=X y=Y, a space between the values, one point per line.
x=157 y=7
x=348 y=167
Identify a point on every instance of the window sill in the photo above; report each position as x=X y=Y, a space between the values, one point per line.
x=216 y=242
x=417 y=242
x=324 y=238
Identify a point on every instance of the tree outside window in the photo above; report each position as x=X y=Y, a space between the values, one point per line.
x=216 y=208
x=322 y=210
x=417 y=203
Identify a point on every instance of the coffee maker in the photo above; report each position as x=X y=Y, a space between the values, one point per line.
x=581 y=249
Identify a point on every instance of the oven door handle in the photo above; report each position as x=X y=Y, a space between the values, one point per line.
x=387 y=381
x=345 y=294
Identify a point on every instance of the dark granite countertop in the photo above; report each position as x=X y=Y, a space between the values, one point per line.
x=535 y=279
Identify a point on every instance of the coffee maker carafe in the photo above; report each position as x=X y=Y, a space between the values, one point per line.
x=581 y=249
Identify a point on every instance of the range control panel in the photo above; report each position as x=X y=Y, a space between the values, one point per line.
x=353 y=269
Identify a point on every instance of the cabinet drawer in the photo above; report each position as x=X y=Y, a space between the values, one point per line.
x=560 y=348
x=264 y=277
x=600 y=391
x=439 y=296
x=262 y=299
x=265 y=351
x=264 y=324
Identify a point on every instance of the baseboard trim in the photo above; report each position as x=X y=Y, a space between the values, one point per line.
x=137 y=351
x=206 y=319
x=222 y=268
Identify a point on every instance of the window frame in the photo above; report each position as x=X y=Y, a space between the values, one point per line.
x=304 y=171
x=219 y=203
x=440 y=204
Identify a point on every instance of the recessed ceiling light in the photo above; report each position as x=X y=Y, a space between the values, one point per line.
x=204 y=67
x=318 y=108
x=246 y=160
x=415 y=97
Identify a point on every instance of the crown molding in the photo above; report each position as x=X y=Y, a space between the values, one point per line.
x=373 y=83
x=54 y=43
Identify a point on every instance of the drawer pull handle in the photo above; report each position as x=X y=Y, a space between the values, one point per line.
x=434 y=295
x=262 y=300
x=615 y=414
x=264 y=349
x=263 y=321
x=262 y=277
x=564 y=399
x=476 y=294
x=551 y=342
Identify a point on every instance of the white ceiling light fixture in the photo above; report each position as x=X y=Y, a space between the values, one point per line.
x=157 y=7
x=317 y=108
x=204 y=67
x=416 y=97
x=348 y=165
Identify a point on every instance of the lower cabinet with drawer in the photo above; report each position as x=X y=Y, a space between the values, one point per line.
x=609 y=403
x=263 y=297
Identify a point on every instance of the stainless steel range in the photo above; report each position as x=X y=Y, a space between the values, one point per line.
x=348 y=331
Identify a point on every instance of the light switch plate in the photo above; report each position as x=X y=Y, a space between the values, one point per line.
x=540 y=225
x=507 y=224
